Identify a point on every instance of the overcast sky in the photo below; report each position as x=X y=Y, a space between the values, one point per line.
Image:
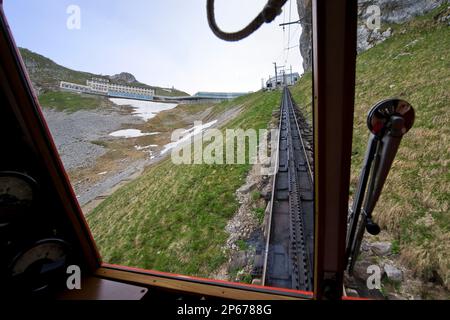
x=162 y=42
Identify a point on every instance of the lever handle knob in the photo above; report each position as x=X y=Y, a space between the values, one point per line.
x=372 y=227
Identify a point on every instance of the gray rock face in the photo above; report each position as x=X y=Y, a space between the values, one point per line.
x=393 y=273
x=369 y=38
x=305 y=14
x=124 y=77
x=247 y=188
x=360 y=270
x=238 y=260
x=392 y=11
x=398 y=11
x=381 y=248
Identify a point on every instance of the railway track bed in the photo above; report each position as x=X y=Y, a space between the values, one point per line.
x=289 y=245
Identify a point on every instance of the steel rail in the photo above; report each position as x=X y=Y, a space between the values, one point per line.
x=303 y=143
x=287 y=255
x=272 y=197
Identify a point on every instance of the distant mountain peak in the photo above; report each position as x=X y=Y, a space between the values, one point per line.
x=123 y=77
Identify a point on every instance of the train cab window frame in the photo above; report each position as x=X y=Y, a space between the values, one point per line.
x=334 y=84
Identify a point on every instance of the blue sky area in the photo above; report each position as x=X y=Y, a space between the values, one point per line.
x=162 y=42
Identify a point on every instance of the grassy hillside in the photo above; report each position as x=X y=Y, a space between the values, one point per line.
x=173 y=218
x=46 y=75
x=414 y=65
x=70 y=102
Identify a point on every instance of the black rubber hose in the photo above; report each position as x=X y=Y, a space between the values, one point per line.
x=269 y=13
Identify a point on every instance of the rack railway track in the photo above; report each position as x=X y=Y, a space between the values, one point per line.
x=289 y=245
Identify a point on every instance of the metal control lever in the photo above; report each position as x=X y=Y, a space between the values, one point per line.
x=388 y=122
x=388 y=149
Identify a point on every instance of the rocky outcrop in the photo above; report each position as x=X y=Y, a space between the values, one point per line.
x=392 y=11
x=393 y=273
x=123 y=77
x=305 y=15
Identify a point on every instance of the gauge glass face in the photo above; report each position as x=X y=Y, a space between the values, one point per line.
x=380 y=115
x=14 y=190
x=38 y=256
x=16 y=196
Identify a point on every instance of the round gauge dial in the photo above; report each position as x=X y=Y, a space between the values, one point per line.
x=380 y=114
x=17 y=192
x=36 y=267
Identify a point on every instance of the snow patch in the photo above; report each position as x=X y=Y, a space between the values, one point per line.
x=140 y=148
x=144 y=109
x=131 y=133
x=187 y=138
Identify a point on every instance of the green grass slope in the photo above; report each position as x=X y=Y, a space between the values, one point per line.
x=173 y=217
x=414 y=65
x=46 y=74
x=71 y=102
